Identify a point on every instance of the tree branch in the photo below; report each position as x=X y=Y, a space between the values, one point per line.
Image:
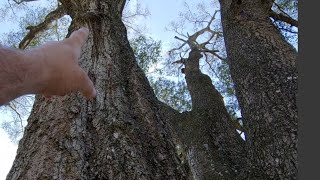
x=284 y=18
x=192 y=40
x=34 y=30
x=288 y=30
x=19 y=2
x=17 y=112
x=180 y=47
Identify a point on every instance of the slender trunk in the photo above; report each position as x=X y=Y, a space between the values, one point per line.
x=120 y=134
x=263 y=68
x=217 y=144
x=214 y=149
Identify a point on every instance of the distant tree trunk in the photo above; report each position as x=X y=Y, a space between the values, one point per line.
x=119 y=135
x=219 y=148
x=214 y=149
x=264 y=70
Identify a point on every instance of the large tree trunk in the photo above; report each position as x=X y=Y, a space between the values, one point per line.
x=263 y=67
x=118 y=135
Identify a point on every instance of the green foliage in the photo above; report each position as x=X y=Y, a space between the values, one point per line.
x=174 y=94
x=223 y=82
x=147 y=52
x=148 y=55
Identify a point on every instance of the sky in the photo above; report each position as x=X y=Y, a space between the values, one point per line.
x=161 y=13
x=7 y=153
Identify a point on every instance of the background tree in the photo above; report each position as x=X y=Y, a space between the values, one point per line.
x=214 y=147
x=204 y=19
x=205 y=44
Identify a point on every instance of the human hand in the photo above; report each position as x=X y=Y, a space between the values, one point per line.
x=60 y=71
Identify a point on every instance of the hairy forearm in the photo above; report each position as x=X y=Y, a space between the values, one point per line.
x=17 y=74
x=50 y=69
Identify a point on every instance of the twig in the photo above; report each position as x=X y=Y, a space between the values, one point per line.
x=19 y=2
x=19 y=115
x=207 y=61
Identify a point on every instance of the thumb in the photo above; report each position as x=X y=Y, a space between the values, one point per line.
x=86 y=86
x=78 y=37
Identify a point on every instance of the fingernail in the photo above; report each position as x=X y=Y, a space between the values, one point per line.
x=94 y=93
x=91 y=95
x=84 y=29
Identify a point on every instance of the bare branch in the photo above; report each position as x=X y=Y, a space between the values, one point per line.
x=178 y=48
x=144 y=14
x=203 y=45
x=19 y=2
x=284 y=18
x=288 y=30
x=181 y=39
x=132 y=26
x=192 y=40
x=207 y=61
x=11 y=106
x=214 y=53
x=206 y=29
x=130 y=16
x=281 y=9
x=34 y=30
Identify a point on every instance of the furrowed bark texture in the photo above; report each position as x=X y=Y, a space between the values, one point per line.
x=263 y=67
x=173 y=119
x=118 y=135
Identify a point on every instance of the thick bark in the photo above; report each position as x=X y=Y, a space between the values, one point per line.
x=118 y=135
x=263 y=67
x=174 y=119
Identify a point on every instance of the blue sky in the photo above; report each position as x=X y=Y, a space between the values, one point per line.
x=162 y=12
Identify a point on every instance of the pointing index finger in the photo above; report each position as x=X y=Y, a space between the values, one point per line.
x=86 y=86
x=79 y=37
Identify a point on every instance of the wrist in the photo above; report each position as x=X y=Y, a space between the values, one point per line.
x=21 y=73
x=34 y=80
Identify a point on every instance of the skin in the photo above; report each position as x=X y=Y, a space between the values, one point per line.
x=50 y=69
